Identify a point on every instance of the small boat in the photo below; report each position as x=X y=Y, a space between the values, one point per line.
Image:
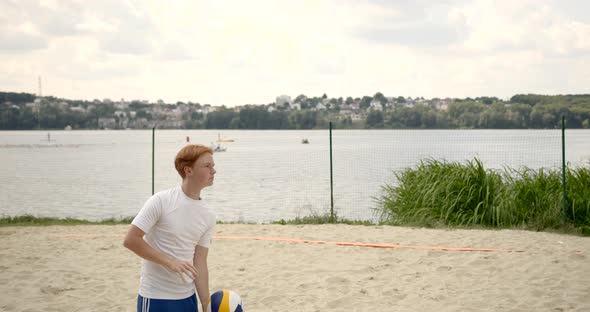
x=218 y=148
x=304 y=141
x=219 y=139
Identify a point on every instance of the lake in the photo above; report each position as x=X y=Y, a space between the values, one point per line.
x=263 y=176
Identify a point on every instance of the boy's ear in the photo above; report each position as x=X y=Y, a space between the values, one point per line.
x=187 y=170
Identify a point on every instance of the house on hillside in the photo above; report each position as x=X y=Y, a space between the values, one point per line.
x=376 y=105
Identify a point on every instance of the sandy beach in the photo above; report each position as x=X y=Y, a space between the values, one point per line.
x=86 y=268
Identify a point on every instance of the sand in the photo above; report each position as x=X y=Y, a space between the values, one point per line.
x=43 y=270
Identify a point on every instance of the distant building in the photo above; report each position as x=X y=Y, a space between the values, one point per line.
x=121 y=105
x=376 y=105
x=140 y=123
x=320 y=106
x=61 y=105
x=206 y=109
x=283 y=100
x=78 y=109
x=107 y=123
x=442 y=104
x=33 y=106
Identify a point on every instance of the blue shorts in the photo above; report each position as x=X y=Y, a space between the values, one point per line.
x=163 y=305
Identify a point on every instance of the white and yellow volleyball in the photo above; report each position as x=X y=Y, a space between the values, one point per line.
x=225 y=301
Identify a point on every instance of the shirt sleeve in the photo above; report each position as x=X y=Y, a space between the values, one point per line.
x=149 y=215
x=207 y=237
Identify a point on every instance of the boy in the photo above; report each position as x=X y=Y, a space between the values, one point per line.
x=172 y=234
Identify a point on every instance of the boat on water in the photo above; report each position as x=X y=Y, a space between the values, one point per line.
x=216 y=147
x=220 y=139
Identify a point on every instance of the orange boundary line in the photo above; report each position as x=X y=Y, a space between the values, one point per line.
x=392 y=246
x=308 y=241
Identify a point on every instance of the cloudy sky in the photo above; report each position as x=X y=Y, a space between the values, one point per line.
x=239 y=52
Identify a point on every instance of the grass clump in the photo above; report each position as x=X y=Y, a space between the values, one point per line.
x=30 y=220
x=439 y=193
x=325 y=218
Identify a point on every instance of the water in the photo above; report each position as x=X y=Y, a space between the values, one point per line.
x=263 y=176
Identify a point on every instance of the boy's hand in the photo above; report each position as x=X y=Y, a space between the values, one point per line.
x=183 y=268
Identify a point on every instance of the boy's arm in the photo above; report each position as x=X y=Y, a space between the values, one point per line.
x=202 y=281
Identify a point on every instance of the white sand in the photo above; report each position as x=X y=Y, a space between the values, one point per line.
x=40 y=270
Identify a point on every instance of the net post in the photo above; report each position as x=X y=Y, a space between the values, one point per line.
x=153 y=155
x=563 y=168
x=331 y=180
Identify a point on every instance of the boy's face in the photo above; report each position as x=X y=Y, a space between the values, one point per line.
x=203 y=171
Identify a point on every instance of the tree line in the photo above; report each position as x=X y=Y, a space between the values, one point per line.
x=522 y=111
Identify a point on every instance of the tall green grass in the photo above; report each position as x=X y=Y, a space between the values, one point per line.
x=440 y=193
x=578 y=195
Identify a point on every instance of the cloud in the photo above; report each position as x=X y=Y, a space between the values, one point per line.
x=126 y=43
x=251 y=51
x=20 y=42
x=135 y=31
x=421 y=24
x=53 y=18
x=16 y=35
x=120 y=27
x=97 y=71
x=523 y=25
x=172 y=50
x=419 y=34
x=574 y=10
x=83 y=59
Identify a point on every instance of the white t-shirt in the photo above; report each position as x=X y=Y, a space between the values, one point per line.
x=174 y=224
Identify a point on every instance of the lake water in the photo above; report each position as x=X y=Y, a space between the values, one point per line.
x=263 y=176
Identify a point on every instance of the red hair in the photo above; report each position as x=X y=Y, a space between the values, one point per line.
x=187 y=156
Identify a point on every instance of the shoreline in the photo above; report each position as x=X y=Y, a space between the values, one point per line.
x=34 y=221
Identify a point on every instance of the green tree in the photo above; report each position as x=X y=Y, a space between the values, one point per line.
x=365 y=102
x=375 y=119
x=381 y=98
x=219 y=119
x=303 y=119
x=16 y=98
x=519 y=115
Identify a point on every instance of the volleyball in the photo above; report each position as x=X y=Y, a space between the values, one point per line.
x=225 y=301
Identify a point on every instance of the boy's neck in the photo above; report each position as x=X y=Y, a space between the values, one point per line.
x=191 y=190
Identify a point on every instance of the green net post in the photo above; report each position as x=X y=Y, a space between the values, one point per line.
x=153 y=155
x=564 y=199
x=331 y=180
